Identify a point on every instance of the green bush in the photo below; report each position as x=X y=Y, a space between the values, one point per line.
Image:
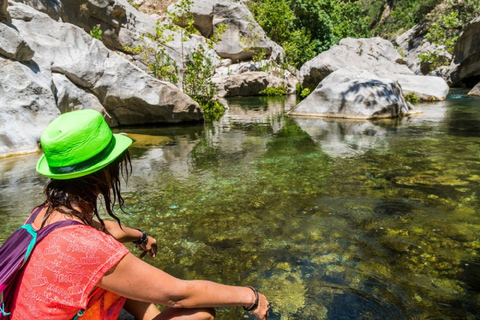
x=411 y=97
x=212 y=110
x=273 y=91
x=96 y=32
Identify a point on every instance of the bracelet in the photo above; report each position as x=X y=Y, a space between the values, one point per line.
x=255 y=304
x=143 y=239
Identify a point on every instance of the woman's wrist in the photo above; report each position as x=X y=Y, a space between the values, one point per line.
x=254 y=305
x=143 y=239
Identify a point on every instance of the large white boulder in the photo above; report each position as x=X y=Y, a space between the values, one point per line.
x=243 y=36
x=27 y=106
x=12 y=46
x=129 y=95
x=354 y=93
x=377 y=56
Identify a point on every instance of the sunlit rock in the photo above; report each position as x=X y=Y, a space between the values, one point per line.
x=12 y=46
x=377 y=56
x=243 y=35
x=27 y=106
x=129 y=94
x=354 y=93
x=475 y=91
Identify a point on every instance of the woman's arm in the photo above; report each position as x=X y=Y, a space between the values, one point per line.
x=135 y=279
x=126 y=234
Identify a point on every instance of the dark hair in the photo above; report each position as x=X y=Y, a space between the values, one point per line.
x=78 y=197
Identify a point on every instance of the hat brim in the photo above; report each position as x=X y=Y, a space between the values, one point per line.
x=121 y=144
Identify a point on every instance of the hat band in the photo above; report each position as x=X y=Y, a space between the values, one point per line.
x=87 y=163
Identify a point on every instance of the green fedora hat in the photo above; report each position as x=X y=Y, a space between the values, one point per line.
x=78 y=143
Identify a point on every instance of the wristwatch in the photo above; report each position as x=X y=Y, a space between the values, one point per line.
x=143 y=239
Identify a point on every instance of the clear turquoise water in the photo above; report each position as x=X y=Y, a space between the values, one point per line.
x=330 y=219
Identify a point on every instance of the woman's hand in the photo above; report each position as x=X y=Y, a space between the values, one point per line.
x=261 y=312
x=150 y=247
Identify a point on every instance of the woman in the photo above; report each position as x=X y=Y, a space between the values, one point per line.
x=82 y=270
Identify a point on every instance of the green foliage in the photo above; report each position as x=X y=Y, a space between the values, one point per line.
x=411 y=97
x=446 y=22
x=305 y=28
x=273 y=91
x=305 y=92
x=197 y=77
x=153 y=52
x=403 y=15
x=212 y=110
x=96 y=32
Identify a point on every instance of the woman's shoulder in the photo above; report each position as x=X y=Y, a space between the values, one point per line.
x=80 y=236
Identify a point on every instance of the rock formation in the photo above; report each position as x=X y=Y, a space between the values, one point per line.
x=67 y=56
x=475 y=91
x=379 y=57
x=354 y=93
x=465 y=67
x=243 y=36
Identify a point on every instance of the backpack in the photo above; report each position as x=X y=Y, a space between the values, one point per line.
x=14 y=254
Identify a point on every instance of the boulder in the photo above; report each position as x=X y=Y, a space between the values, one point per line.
x=243 y=36
x=129 y=95
x=465 y=67
x=376 y=55
x=379 y=57
x=426 y=88
x=12 y=46
x=70 y=97
x=475 y=91
x=354 y=93
x=27 y=106
x=413 y=43
x=122 y=26
x=245 y=84
x=249 y=78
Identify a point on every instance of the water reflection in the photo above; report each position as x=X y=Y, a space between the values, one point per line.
x=331 y=219
x=341 y=138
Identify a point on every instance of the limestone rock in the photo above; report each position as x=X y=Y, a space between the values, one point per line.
x=465 y=66
x=129 y=95
x=475 y=91
x=377 y=56
x=70 y=97
x=426 y=88
x=12 y=46
x=354 y=93
x=121 y=24
x=27 y=106
x=246 y=84
x=247 y=78
x=413 y=43
x=243 y=35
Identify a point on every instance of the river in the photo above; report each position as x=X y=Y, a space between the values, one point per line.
x=330 y=219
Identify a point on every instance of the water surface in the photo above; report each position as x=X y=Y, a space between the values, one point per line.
x=331 y=219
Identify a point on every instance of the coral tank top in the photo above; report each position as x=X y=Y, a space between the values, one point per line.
x=61 y=275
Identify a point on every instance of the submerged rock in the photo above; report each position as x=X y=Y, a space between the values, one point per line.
x=354 y=93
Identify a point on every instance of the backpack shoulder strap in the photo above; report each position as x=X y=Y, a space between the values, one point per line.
x=34 y=214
